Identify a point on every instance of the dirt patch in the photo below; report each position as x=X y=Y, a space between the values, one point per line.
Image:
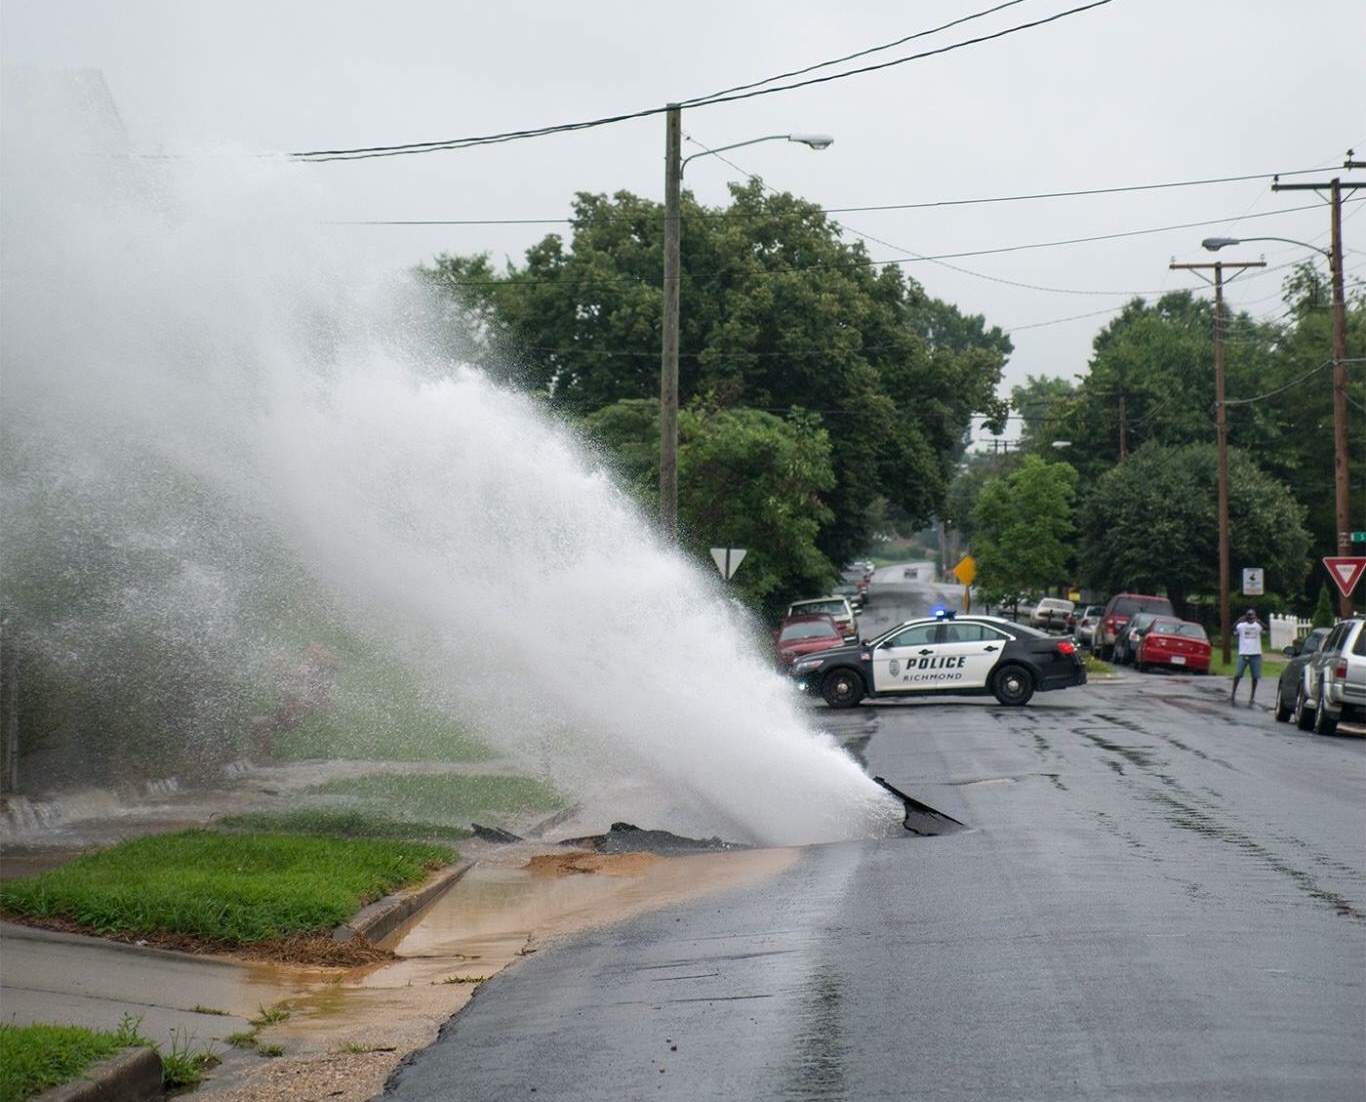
x=577 y=861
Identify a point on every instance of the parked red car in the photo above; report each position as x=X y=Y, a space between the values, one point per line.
x=802 y=635
x=1178 y=644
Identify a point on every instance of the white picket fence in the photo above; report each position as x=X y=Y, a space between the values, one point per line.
x=1286 y=629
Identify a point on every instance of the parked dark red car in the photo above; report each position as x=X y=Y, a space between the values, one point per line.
x=802 y=635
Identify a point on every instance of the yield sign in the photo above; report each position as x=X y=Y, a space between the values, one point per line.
x=1345 y=572
x=728 y=560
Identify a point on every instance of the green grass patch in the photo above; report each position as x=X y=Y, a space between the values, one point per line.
x=354 y=823
x=1272 y=664
x=231 y=888
x=269 y=1015
x=450 y=798
x=36 y=1057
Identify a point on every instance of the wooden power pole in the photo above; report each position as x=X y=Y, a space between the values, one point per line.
x=1221 y=431
x=1341 y=482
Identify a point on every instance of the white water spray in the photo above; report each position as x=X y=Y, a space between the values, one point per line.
x=173 y=332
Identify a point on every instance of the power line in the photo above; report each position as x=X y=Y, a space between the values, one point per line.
x=859 y=262
x=366 y=152
x=855 y=56
x=1288 y=386
x=900 y=61
x=928 y=205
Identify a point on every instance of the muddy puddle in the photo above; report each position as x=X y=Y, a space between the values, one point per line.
x=505 y=906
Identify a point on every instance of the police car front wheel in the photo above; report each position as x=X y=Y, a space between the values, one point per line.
x=1013 y=685
x=842 y=688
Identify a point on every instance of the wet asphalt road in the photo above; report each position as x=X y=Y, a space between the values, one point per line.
x=1159 y=897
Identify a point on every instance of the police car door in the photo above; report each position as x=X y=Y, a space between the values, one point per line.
x=970 y=652
x=905 y=662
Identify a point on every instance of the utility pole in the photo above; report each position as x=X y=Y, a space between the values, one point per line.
x=668 y=370
x=1341 y=482
x=1221 y=431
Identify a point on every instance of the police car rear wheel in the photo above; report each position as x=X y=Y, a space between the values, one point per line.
x=842 y=688
x=1013 y=685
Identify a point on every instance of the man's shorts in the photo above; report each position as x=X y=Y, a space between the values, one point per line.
x=1252 y=662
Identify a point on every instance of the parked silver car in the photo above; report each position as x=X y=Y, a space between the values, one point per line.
x=1333 y=687
x=1086 y=624
x=1051 y=614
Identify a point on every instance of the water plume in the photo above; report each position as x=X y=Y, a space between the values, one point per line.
x=221 y=438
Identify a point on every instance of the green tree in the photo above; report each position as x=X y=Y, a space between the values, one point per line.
x=1151 y=380
x=1283 y=412
x=1151 y=524
x=1022 y=524
x=975 y=471
x=746 y=479
x=1040 y=405
x=778 y=314
x=1324 y=614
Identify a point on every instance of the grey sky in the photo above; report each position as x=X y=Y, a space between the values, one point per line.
x=1133 y=92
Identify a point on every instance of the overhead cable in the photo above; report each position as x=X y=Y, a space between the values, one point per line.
x=366 y=152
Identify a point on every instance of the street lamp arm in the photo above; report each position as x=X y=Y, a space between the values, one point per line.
x=815 y=141
x=1214 y=244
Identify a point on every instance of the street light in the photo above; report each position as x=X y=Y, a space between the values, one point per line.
x=1214 y=244
x=1342 y=484
x=668 y=373
x=815 y=141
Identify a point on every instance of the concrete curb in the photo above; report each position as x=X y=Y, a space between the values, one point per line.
x=381 y=918
x=134 y=1075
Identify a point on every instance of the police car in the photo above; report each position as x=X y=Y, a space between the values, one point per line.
x=944 y=654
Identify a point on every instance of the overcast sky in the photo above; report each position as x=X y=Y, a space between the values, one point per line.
x=1129 y=93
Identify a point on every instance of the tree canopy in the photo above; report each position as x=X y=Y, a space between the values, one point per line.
x=1022 y=522
x=746 y=479
x=1152 y=524
x=778 y=315
x=1150 y=382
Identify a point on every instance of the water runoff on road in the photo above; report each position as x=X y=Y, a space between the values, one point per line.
x=256 y=429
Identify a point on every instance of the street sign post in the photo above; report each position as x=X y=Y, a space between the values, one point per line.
x=1252 y=581
x=1346 y=572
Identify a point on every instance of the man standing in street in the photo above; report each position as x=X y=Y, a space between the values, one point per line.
x=1249 y=631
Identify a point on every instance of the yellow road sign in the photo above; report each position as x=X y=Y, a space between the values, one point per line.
x=966 y=569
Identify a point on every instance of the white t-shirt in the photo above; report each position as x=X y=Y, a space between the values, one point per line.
x=1249 y=636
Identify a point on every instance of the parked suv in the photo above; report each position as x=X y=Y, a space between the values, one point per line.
x=1333 y=687
x=837 y=607
x=1117 y=612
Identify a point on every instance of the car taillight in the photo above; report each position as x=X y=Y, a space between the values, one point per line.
x=1340 y=670
x=1065 y=646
